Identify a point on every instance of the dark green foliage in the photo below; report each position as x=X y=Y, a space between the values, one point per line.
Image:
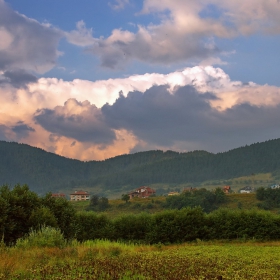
x=177 y=226
x=98 y=203
x=17 y=205
x=46 y=171
x=89 y=225
x=63 y=212
x=132 y=227
x=208 y=200
x=270 y=198
x=233 y=224
x=125 y=197
x=22 y=209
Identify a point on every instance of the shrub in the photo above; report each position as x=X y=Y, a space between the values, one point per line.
x=44 y=237
x=90 y=225
x=172 y=226
x=132 y=227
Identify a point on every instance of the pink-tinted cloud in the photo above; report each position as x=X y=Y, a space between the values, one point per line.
x=197 y=108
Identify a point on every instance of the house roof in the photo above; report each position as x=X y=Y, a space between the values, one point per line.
x=189 y=189
x=58 y=195
x=145 y=188
x=80 y=193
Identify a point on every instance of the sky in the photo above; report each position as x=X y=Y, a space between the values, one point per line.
x=91 y=80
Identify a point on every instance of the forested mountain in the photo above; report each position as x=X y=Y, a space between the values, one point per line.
x=43 y=171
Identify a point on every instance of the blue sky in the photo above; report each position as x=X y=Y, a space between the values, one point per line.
x=246 y=53
x=64 y=63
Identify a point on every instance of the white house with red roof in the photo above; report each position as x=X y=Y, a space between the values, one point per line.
x=142 y=192
x=79 y=195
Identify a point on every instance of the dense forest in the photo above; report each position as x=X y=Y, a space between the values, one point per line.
x=43 y=171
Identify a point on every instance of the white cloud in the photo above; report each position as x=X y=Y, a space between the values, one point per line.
x=81 y=36
x=184 y=31
x=118 y=4
x=25 y=43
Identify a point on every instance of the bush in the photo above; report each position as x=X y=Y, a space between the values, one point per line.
x=44 y=237
x=176 y=226
x=132 y=227
x=90 y=225
x=236 y=224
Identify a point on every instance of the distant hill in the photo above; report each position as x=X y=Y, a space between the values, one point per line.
x=43 y=171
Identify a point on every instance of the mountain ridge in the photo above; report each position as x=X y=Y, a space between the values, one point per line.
x=44 y=171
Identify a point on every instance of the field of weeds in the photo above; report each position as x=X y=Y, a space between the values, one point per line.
x=113 y=260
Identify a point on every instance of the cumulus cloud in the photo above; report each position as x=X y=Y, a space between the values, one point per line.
x=196 y=108
x=162 y=44
x=78 y=120
x=25 y=43
x=159 y=117
x=186 y=120
x=17 y=132
x=17 y=78
x=22 y=130
x=183 y=119
x=81 y=36
x=187 y=31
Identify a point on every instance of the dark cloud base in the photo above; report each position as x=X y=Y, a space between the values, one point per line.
x=21 y=130
x=160 y=118
x=17 y=78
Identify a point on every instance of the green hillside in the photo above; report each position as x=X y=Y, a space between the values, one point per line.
x=43 y=171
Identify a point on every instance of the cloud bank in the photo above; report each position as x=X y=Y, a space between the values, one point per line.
x=187 y=31
x=197 y=108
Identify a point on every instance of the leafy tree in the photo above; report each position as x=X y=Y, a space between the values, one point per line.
x=17 y=208
x=103 y=203
x=125 y=197
x=94 y=201
x=98 y=203
x=63 y=212
x=208 y=200
x=21 y=209
x=270 y=198
x=43 y=216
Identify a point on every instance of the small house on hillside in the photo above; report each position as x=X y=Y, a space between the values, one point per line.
x=142 y=192
x=79 y=195
x=247 y=189
x=226 y=189
x=173 y=193
x=275 y=187
x=190 y=189
x=58 y=195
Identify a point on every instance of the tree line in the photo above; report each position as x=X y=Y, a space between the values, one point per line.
x=44 y=171
x=23 y=210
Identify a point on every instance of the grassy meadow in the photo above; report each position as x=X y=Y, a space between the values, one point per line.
x=112 y=260
x=147 y=241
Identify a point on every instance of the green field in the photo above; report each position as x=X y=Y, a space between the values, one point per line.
x=108 y=260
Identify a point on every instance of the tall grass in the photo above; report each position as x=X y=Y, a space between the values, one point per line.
x=102 y=259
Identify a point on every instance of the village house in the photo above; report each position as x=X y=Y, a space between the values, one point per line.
x=275 y=187
x=189 y=189
x=79 y=195
x=226 y=189
x=247 y=189
x=142 y=192
x=173 y=193
x=58 y=195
